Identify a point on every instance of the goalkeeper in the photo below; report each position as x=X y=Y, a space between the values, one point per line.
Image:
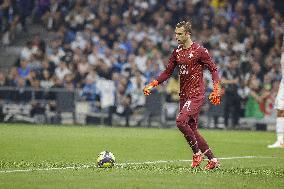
x=191 y=59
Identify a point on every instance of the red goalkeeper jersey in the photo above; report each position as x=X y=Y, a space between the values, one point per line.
x=191 y=63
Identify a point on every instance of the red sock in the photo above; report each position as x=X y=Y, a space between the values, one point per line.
x=203 y=146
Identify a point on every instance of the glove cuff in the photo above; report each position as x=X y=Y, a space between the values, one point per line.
x=217 y=86
x=154 y=83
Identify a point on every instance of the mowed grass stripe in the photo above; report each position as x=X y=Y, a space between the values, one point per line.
x=45 y=166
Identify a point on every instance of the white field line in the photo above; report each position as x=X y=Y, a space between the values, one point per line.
x=128 y=163
x=189 y=160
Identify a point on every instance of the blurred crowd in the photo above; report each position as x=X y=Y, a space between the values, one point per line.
x=128 y=42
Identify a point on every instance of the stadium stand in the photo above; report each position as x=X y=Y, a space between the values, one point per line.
x=103 y=52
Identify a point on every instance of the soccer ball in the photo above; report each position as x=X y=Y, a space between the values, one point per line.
x=105 y=159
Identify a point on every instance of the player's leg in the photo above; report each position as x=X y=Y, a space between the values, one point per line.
x=279 y=130
x=182 y=124
x=187 y=108
x=280 y=127
x=279 y=105
x=203 y=146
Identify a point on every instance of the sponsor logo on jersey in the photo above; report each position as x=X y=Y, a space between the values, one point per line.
x=183 y=69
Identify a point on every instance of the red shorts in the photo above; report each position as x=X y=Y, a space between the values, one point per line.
x=191 y=106
x=189 y=110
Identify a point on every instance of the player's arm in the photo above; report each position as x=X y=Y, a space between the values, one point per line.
x=215 y=96
x=163 y=76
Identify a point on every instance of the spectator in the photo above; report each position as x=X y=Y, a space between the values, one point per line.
x=62 y=70
x=90 y=92
x=52 y=17
x=122 y=104
x=129 y=36
x=24 y=70
x=141 y=60
x=4 y=94
x=10 y=19
x=46 y=81
x=231 y=98
x=103 y=69
x=138 y=99
x=27 y=51
x=37 y=93
x=253 y=109
x=22 y=94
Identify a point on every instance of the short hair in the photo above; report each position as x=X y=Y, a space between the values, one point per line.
x=186 y=25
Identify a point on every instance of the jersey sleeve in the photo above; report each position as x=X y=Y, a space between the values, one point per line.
x=207 y=61
x=169 y=68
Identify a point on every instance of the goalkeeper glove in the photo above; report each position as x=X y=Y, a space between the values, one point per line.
x=147 y=89
x=215 y=96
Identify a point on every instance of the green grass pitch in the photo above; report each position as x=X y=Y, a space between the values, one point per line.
x=48 y=152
